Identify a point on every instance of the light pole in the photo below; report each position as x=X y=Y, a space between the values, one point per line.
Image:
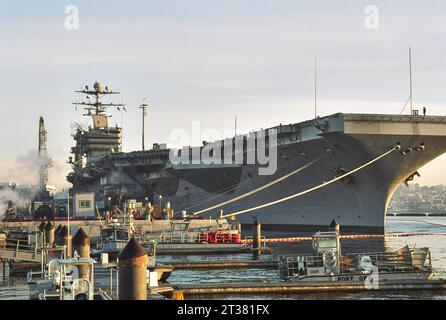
x=68 y=212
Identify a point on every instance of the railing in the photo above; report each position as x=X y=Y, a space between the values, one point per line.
x=179 y=238
x=17 y=247
x=51 y=265
x=105 y=295
x=82 y=285
x=186 y=237
x=190 y=237
x=410 y=260
x=292 y=265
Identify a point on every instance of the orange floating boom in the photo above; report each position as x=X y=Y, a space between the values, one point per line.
x=353 y=236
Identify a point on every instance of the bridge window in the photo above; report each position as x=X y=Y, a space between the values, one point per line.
x=84 y=204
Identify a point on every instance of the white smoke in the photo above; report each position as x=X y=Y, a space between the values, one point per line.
x=24 y=171
x=22 y=201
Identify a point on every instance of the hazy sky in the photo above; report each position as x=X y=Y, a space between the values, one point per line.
x=208 y=60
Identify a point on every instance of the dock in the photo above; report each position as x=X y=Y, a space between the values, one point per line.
x=19 y=253
x=22 y=251
x=200 y=248
x=302 y=288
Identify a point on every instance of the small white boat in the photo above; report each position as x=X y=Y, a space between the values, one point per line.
x=329 y=265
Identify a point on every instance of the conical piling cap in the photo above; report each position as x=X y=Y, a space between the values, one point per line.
x=81 y=238
x=49 y=226
x=334 y=225
x=42 y=226
x=63 y=232
x=59 y=227
x=132 y=250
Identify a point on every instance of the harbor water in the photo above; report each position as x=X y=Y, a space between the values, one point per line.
x=15 y=287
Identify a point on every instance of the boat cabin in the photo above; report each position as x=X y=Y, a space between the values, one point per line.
x=114 y=237
x=124 y=219
x=115 y=234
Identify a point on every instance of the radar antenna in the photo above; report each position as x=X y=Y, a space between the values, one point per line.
x=95 y=108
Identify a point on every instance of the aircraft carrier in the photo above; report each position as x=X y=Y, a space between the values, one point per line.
x=325 y=148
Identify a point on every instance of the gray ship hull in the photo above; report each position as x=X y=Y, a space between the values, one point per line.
x=340 y=142
x=357 y=201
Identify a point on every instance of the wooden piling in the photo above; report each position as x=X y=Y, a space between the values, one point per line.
x=58 y=229
x=132 y=272
x=41 y=229
x=334 y=226
x=257 y=236
x=81 y=245
x=4 y=269
x=49 y=233
x=65 y=239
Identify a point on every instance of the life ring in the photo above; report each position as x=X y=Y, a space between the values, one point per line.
x=329 y=259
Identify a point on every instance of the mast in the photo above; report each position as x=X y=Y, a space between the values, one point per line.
x=97 y=107
x=315 y=86
x=410 y=80
x=143 y=108
x=235 y=125
x=68 y=213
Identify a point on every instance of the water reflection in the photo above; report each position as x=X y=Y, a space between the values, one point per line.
x=431 y=227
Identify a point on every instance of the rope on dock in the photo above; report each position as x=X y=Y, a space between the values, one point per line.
x=352 y=236
x=247 y=194
x=397 y=147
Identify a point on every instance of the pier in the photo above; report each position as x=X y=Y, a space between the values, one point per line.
x=301 y=288
x=20 y=251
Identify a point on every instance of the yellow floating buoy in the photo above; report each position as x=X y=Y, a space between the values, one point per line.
x=177 y=295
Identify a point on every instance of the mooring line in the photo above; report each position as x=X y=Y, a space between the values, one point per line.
x=222 y=192
x=247 y=194
x=397 y=147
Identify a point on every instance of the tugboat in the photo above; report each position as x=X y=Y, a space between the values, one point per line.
x=61 y=281
x=113 y=239
x=329 y=265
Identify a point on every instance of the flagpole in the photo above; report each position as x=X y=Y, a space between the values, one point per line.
x=68 y=214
